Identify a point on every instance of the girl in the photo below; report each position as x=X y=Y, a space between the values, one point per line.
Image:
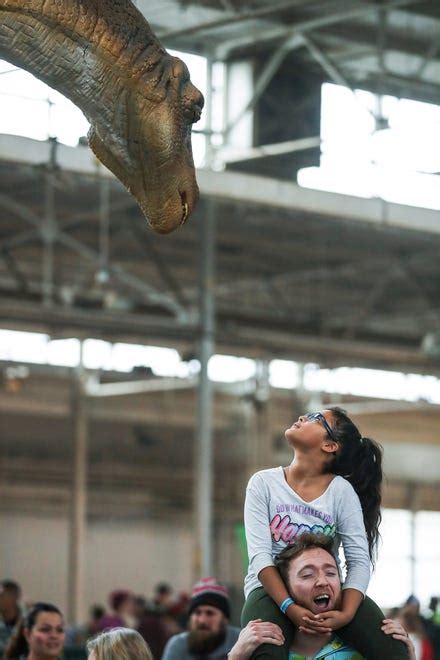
x=40 y=636
x=332 y=486
x=118 y=644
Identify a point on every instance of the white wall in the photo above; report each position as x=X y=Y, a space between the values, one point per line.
x=33 y=551
x=135 y=555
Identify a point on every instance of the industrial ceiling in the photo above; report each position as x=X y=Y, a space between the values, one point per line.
x=310 y=276
x=334 y=281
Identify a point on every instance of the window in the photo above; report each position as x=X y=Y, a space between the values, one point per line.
x=399 y=574
x=377 y=147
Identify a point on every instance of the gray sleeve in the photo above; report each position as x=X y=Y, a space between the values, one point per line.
x=231 y=637
x=351 y=530
x=175 y=648
x=256 y=522
x=232 y=634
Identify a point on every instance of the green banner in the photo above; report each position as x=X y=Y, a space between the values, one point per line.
x=240 y=538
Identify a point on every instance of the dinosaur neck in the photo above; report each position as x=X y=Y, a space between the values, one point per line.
x=84 y=55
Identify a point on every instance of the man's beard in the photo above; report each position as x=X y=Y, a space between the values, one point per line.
x=202 y=641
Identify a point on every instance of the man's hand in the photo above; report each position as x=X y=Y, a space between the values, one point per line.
x=394 y=628
x=323 y=623
x=306 y=621
x=255 y=633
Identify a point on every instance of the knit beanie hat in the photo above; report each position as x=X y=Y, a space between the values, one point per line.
x=209 y=592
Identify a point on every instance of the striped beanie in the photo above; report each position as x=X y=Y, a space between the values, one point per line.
x=209 y=592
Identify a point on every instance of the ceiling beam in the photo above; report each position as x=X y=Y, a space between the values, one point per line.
x=395 y=85
x=232 y=155
x=101 y=390
x=232 y=19
x=326 y=19
x=262 y=191
x=245 y=188
x=236 y=336
x=147 y=291
x=432 y=52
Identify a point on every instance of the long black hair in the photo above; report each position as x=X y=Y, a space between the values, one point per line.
x=359 y=460
x=17 y=645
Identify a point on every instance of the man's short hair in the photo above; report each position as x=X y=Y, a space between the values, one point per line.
x=306 y=541
x=11 y=587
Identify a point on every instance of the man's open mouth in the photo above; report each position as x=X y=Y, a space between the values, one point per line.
x=322 y=601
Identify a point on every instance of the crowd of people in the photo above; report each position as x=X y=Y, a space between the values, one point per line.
x=297 y=605
x=172 y=626
x=156 y=620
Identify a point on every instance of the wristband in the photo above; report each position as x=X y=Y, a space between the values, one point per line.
x=286 y=603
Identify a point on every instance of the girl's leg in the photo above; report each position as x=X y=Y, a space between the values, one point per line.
x=261 y=606
x=364 y=634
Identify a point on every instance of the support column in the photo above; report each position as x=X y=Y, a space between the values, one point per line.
x=104 y=231
x=412 y=558
x=209 y=154
x=78 y=512
x=412 y=506
x=49 y=228
x=203 y=459
x=259 y=454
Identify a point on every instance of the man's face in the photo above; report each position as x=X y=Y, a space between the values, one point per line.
x=207 y=629
x=314 y=581
x=207 y=618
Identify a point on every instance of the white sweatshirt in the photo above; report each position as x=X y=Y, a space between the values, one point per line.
x=274 y=515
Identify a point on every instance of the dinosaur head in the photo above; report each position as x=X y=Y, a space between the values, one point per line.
x=148 y=143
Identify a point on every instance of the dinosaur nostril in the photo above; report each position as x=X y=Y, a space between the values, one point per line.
x=197 y=113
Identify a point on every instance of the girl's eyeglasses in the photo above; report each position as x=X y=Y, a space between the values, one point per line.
x=319 y=417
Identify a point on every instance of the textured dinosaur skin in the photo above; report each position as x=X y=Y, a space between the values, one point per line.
x=139 y=100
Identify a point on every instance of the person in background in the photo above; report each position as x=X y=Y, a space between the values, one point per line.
x=40 y=635
x=179 y=610
x=10 y=611
x=118 y=644
x=123 y=608
x=209 y=634
x=432 y=626
x=435 y=613
x=419 y=629
x=163 y=597
x=151 y=626
x=78 y=635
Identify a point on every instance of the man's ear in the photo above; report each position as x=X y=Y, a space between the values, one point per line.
x=330 y=447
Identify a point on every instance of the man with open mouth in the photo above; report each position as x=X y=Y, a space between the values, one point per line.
x=309 y=570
